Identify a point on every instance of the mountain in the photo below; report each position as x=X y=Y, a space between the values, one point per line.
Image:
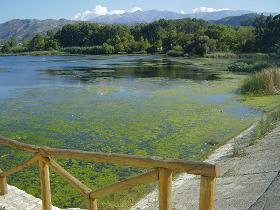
x=26 y=29
x=242 y=20
x=137 y=17
x=219 y=14
x=152 y=15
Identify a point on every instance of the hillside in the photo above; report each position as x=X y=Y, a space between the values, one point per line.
x=242 y=20
x=26 y=29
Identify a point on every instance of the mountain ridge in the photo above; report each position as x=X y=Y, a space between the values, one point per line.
x=26 y=28
x=153 y=15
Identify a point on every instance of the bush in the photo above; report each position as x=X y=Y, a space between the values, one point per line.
x=244 y=67
x=238 y=67
x=266 y=82
x=176 y=51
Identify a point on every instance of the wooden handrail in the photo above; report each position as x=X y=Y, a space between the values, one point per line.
x=163 y=173
x=190 y=167
x=68 y=177
x=142 y=179
x=20 y=167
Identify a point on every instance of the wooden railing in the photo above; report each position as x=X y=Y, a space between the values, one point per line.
x=162 y=172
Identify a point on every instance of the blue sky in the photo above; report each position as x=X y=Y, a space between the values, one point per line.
x=42 y=9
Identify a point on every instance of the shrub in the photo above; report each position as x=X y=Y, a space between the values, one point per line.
x=266 y=82
x=176 y=51
x=244 y=67
x=238 y=67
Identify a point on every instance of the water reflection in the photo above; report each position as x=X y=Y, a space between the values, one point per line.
x=89 y=69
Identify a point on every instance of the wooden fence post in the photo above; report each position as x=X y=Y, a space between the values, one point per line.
x=207 y=193
x=165 y=184
x=45 y=186
x=92 y=204
x=3 y=185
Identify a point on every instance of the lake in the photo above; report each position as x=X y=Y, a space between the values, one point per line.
x=143 y=105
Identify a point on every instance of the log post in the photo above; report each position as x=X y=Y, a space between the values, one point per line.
x=165 y=184
x=3 y=184
x=92 y=204
x=45 y=186
x=207 y=193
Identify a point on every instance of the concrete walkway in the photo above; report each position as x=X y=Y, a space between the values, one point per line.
x=17 y=199
x=271 y=197
x=249 y=181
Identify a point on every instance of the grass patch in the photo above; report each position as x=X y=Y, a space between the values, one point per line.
x=265 y=125
x=238 y=150
x=266 y=82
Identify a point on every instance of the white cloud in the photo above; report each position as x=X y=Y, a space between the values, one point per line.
x=100 y=10
x=208 y=9
x=134 y=9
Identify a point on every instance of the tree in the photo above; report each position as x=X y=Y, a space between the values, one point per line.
x=51 y=43
x=246 y=39
x=267 y=33
x=37 y=43
x=202 y=45
x=142 y=45
x=169 y=41
x=107 y=49
x=226 y=37
x=8 y=45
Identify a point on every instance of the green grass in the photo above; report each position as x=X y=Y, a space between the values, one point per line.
x=265 y=125
x=266 y=82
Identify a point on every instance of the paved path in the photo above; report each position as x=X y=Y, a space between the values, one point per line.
x=17 y=199
x=271 y=198
x=250 y=181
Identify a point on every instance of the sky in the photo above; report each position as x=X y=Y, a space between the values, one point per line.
x=81 y=9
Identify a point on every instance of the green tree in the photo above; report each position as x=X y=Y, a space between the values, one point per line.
x=37 y=43
x=51 y=43
x=8 y=45
x=267 y=33
x=226 y=37
x=142 y=44
x=203 y=45
x=107 y=49
x=246 y=39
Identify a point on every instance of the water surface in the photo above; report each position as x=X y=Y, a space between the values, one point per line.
x=143 y=105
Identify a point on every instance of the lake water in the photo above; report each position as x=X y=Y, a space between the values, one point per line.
x=144 y=105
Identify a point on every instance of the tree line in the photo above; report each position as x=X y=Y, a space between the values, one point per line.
x=173 y=37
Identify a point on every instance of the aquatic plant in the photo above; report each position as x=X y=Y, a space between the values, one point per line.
x=265 y=82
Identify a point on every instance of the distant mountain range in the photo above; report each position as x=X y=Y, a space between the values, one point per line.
x=152 y=15
x=26 y=29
